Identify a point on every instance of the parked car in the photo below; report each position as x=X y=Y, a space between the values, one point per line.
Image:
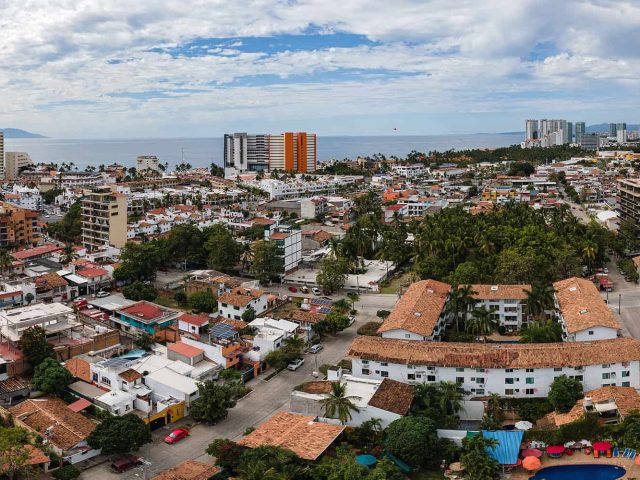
x=102 y=294
x=296 y=364
x=125 y=463
x=304 y=289
x=177 y=435
x=316 y=291
x=316 y=348
x=293 y=289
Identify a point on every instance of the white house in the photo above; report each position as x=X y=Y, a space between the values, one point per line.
x=583 y=314
x=518 y=370
x=271 y=336
x=414 y=170
x=190 y=323
x=419 y=314
x=288 y=246
x=233 y=304
x=505 y=302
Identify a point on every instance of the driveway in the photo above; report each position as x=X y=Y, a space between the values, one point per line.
x=266 y=398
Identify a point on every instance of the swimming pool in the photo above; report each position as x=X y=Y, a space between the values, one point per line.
x=582 y=472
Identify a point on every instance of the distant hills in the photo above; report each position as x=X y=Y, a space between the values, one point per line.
x=17 y=133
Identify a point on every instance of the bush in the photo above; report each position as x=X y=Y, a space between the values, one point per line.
x=203 y=302
x=369 y=329
x=66 y=473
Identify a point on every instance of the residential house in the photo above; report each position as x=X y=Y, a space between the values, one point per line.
x=96 y=278
x=191 y=323
x=235 y=303
x=145 y=317
x=189 y=470
x=51 y=287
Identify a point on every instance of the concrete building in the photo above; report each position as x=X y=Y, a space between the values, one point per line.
x=235 y=303
x=581 y=129
x=18 y=226
x=518 y=370
x=14 y=162
x=505 y=302
x=145 y=317
x=414 y=170
x=531 y=130
x=590 y=141
x=148 y=164
x=628 y=205
x=288 y=246
x=104 y=219
x=293 y=152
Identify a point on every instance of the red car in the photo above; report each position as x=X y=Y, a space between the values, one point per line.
x=177 y=435
x=293 y=289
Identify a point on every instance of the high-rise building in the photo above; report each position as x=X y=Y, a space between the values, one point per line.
x=569 y=138
x=581 y=129
x=531 y=130
x=621 y=126
x=293 y=152
x=1 y=155
x=148 y=165
x=104 y=219
x=18 y=226
x=612 y=130
x=590 y=141
x=14 y=163
x=621 y=135
x=628 y=204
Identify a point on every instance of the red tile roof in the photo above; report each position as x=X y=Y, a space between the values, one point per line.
x=92 y=272
x=35 y=252
x=185 y=350
x=143 y=309
x=191 y=319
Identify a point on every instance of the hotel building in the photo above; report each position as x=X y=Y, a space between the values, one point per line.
x=104 y=219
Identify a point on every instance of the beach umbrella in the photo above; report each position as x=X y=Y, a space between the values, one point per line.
x=524 y=425
x=366 y=460
x=531 y=463
x=602 y=446
x=638 y=460
x=555 y=449
x=531 y=452
x=585 y=443
x=457 y=467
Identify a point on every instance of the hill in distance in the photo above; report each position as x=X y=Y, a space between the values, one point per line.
x=17 y=133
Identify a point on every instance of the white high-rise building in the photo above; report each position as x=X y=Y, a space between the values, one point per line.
x=531 y=130
x=148 y=164
x=621 y=136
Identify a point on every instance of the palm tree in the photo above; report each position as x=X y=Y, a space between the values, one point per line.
x=460 y=300
x=68 y=254
x=338 y=404
x=354 y=297
x=481 y=323
x=451 y=396
x=341 y=305
x=589 y=251
x=539 y=299
x=6 y=261
x=294 y=342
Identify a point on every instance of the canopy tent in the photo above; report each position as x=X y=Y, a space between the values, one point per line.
x=555 y=449
x=508 y=448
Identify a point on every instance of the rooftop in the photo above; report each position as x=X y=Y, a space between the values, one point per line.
x=476 y=355
x=93 y=272
x=79 y=368
x=147 y=312
x=301 y=434
x=191 y=319
x=35 y=252
x=500 y=292
x=419 y=308
x=581 y=305
x=185 y=350
x=240 y=297
x=393 y=396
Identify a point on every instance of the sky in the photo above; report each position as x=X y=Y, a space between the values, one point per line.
x=201 y=68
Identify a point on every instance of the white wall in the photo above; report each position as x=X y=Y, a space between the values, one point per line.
x=211 y=352
x=595 y=333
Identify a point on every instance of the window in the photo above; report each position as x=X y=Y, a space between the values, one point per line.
x=606 y=365
x=626 y=384
x=407 y=335
x=480 y=380
x=479 y=391
x=224 y=305
x=459 y=380
x=529 y=370
x=459 y=369
x=578 y=368
x=411 y=376
x=590 y=332
x=235 y=307
x=431 y=378
x=508 y=370
x=411 y=367
x=626 y=373
x=578 y=377
x=384 y=374
x=530 y=381
x=557 y=369
x=508 y=381
x=508 y=391
x=529 y=391
x=384 y=364
x=365 y=371
x=105 y=380
x=480 y=370
x=606 y=376
x=365 y=362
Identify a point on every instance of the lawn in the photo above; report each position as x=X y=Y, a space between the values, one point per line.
x=395 y=283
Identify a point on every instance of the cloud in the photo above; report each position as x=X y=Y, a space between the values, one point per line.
x=202 y=67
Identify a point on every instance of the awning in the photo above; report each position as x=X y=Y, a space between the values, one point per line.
x=605 y=407
x=79 y=405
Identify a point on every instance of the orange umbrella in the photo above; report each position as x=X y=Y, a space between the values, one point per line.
x=531 y=463
x=638 y=459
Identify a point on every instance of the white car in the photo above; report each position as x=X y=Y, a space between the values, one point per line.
x=316 y=291
x=102 y=294
x=296 y=364
x=315 y=348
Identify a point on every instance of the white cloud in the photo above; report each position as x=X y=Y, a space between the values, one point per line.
x=430 y=58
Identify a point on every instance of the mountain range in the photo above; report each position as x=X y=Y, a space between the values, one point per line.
x=17 y=133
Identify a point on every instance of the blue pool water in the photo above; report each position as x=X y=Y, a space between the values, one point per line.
x=580 y=472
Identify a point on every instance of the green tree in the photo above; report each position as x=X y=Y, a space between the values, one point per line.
x=68 y=254
x=267 y=265
x=383 y=314
x=223 y=251
x=460 y=300
x=494 y=414
x=290 y=351
x=481 y=323
x=186 y=244
x=353 y=297
x=51 y=377
x=14 y=453
x=140 y=261
x=227 y=453
x=542 y=332
x=249 y=315
x=29 y=298
x=34 y=345
x=145 y=342
x=213 y=402
x=539 y=299
x=342 y=305
x=6 y=261
x=476 y=461
x=440 y=402
x=69 y=228
x=414 y=440
x=140 y=291
x=564 y=393
x=180 y=297
x=203 y=301
x=338 y=404
x=631 y=429
x=332 y=274
x=120 y=435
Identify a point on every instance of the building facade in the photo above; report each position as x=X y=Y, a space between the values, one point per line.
x=18 y=226
x=14 y=162
x=628 y=205
x=148 y=164
x=104 y=219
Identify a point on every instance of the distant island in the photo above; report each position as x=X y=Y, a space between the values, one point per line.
x=17 y=133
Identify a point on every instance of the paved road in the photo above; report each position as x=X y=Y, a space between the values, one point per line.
x=265 y=399
x=624 y=301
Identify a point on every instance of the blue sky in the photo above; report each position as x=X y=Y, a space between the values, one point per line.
x=363 y=67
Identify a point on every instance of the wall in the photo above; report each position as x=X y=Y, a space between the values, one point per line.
x=98 y=342
x=599 y=333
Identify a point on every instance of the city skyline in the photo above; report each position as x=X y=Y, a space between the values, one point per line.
x=409 y=68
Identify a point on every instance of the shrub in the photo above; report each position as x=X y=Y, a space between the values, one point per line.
x=369 y=328
x=68 y=472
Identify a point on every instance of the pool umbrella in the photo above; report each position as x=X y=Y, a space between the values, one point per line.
x=366 y=460
x=531 y=463
x=638 y=460
x=524 y=425
x=555 y=449
x=457 y=467
x=602 y=446
x=531 y=452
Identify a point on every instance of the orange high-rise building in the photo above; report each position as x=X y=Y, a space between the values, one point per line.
x=18 y=226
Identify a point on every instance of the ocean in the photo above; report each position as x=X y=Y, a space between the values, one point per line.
x=204 y=151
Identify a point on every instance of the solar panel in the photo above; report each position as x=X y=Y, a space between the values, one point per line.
x=116 y=362
x=324 y=310
x=222 y=330
x=321 y=301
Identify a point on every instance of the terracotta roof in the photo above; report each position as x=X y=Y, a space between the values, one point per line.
x=306 y=317
x=627 y=399
x=92 y=272
x=317 y=387
x=500 y=292
x=35 y=252
x=240 y=297
x=191 y=319
x=189 y=470
x=236 y=324
x=419 y=308
x=301 y=434
x=477 y=355
x=279 y=236
x=67 y=428
x=263 y=221
x=145 y=310
x=14 y=384
x=79 y=368
x=393 y=396
x=322 y=236
x=49 y=281
x=581 y=305
x=130 y=375
x=184 y=349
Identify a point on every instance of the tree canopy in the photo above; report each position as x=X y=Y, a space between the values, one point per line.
x=213 y=402
x=34 y=345
x=120 y=435
x=564 y=393
x=51 y=377
x=414 y=440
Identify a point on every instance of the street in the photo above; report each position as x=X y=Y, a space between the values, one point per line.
x=266 y=398
x=624 y=302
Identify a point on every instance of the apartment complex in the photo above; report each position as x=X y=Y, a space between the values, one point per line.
x=293 y=152
x=18 y=226
x=104 y=219
x=148 y=164
x=14 y=162
x=628 y=204
x=505 y=302
x=288 y=245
